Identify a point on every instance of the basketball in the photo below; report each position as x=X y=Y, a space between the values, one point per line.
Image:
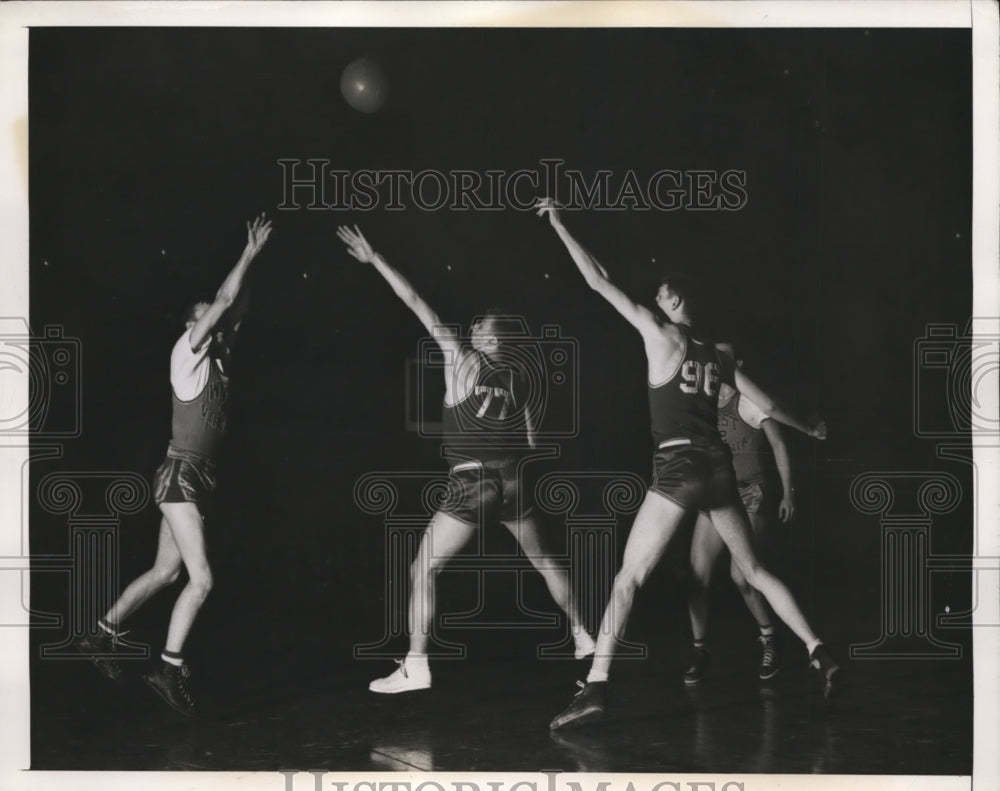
x=363 y=85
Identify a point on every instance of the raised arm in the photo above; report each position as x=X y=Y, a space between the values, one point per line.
x=597 y=277
x=768 y=406
x=230 y=293
x=783 y=461
x=446 y=337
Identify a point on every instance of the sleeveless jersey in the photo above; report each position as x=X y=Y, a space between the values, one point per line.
x=198 y=424
x=686 y=405
x=751 y=450
x=488 y=421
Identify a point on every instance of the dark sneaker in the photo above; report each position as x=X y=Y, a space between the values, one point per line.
x=168 y=681
x=100 y=648
x=770 y=661
x=702 y=662
x=588 y=705
x=828 y=669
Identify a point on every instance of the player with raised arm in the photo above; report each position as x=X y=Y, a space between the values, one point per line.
x=183 y=484
x=750 y=434
x=693 y=467
x=484 y=409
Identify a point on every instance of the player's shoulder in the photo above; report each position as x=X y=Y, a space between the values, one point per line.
x=748 y=410
x=669 y=333
x=183 y=343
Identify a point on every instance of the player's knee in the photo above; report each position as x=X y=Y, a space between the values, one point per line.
x=166 y=575
x=739 y=580
x=627 y=582
x=701 y=577
x=201 y=582
x=751 y=572
x=422 y=569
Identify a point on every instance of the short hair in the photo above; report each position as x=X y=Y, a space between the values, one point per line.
x=189 y=314
x=503 y=322
x=684 y=286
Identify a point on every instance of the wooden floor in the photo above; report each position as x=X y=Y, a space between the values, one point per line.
x=894 y=717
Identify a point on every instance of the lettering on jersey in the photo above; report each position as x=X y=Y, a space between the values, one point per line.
x=729 y=428
x=489 y=394
x=700 y=379
x=213 y=404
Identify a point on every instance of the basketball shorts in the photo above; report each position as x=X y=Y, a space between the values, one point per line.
x=485 y=491
x=758 y=496
x=184 y=477
x=694 y=473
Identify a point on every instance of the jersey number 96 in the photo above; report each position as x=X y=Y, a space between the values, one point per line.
x=700 y=379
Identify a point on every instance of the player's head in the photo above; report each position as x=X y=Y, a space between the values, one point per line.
x=677 y=297
x=222 y=332
x=489 y=329
x=195 y=312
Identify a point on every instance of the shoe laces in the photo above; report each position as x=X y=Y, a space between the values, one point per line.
x=402 y=667
x=767 y=643
x=184 y=673
x=582 y=685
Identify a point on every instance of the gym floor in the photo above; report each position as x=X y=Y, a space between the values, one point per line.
x=894 y=717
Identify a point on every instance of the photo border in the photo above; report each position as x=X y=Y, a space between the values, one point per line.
x=16 y=18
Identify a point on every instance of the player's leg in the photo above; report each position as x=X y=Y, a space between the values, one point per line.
x=187 y=530
x=444 y=537
x=770 y=660
x=734 y=527
x=164 y=572
x=706 y=548
x=654 y=526
x=166 y=568
x=526 y=531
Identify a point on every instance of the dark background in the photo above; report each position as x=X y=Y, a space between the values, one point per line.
x=151 y=148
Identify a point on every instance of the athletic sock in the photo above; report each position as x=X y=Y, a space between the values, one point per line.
x=767 y=631
x=172 y=658
x=417 y=660
x=811 y=646
x=699 y=645
x=597 y=676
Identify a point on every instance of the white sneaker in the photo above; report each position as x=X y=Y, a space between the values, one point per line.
x=585 y=646
x=405 y=679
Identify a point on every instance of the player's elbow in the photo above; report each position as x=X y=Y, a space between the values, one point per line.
x=224 y=299
x=597 y=282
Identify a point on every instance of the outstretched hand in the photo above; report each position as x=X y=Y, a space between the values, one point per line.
x=257 y=233
x=818 y=430
x=356 y=243
x=550 y=207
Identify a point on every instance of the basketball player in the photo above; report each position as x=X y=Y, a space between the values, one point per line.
x=692 y=470
x=748 y=432
x=484 y=406
x=199 y=378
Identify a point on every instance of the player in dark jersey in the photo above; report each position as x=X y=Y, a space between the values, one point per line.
x=484 y=401
x=199 y=379
x=692 y=466
x=751 y=436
